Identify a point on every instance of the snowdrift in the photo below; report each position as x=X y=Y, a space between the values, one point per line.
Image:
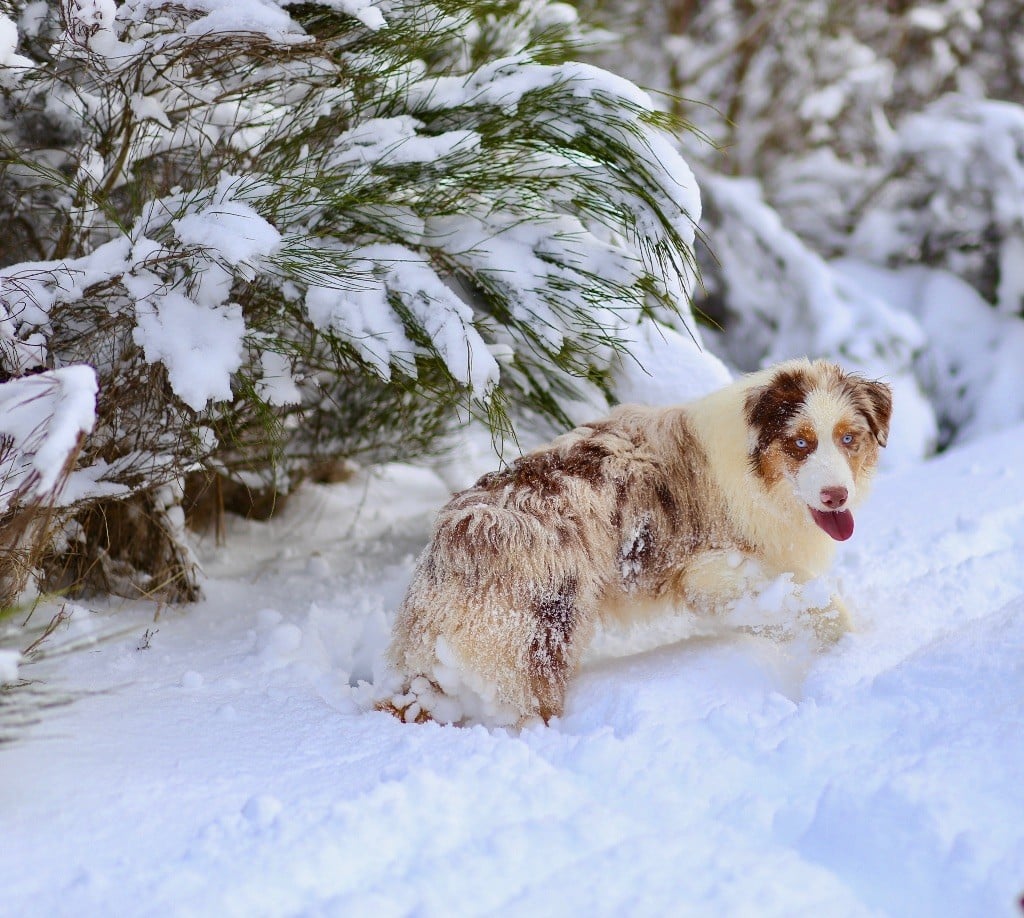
x=218 y=760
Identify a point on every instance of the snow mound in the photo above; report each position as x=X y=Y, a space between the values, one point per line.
x=668 y=367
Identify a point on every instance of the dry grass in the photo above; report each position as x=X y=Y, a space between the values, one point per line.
x=124 y=548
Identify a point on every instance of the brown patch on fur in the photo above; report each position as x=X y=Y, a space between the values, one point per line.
x=543 y=472
x=693 y=506
x=862 y=454
x=769 y=410
x=880 y=396
x=873 y=401
x=664 y=511
x=666 y=500
x=843 y=428
x=555 y=616
x=621 y=498
x=797 y=454
x=773 y=464
x=586 y=460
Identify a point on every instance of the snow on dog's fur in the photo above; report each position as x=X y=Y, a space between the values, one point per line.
x=648 y=505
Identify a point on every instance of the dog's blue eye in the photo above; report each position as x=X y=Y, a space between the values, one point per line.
x=848 y=439
x=801 y=443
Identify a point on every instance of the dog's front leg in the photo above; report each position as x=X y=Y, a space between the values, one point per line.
x=714 y=581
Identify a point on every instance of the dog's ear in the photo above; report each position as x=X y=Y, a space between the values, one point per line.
x=876 y=405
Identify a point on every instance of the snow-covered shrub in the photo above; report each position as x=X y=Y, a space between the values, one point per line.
x=972 y=368
x=951 y=194
x=282 y=233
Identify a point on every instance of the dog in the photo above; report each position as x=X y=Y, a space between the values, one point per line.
x=646 y=506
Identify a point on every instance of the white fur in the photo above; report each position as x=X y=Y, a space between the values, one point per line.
x=827 y=467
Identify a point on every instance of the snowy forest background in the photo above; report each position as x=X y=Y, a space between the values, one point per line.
x=247 y=244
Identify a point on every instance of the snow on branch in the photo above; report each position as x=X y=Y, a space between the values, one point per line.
x=42 y=420
x=12 y=65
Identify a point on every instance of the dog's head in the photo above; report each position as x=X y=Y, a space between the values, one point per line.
x=819 y=429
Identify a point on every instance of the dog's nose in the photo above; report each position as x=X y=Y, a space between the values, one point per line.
x=834 y=498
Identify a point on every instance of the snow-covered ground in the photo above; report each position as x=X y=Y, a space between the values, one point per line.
x=218 y=761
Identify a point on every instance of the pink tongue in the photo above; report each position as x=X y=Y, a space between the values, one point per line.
x=838 y=524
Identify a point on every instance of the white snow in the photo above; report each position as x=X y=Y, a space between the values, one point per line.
x=364 y=10
x=226 y=16
x=148 y=107
x=666 y=367
x=362 y=314
x=277 y=385
x=221 y=759
x=230 y=768
x=233 y=229
x=9 y=660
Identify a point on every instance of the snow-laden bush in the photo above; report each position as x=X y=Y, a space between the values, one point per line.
x=971 y=369
x=952 y=195
x=282 y=234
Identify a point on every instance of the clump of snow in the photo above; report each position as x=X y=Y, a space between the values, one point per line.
x=91 y=28
x=366 y=11
x=667 y=367
x=276 y=385
x=33 y=15
x=362 y=314
x=200 y=346
x=233 y=229
x=782 y=607
x=42 y=419
x=212 y=17
x=11 y=63
x=148 y=107
x=362 y=310
x=385 y=142
x=9 y=660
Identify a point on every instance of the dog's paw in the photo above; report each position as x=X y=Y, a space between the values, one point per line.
x=422 y=700
x=410 y=712
x=830 y=622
